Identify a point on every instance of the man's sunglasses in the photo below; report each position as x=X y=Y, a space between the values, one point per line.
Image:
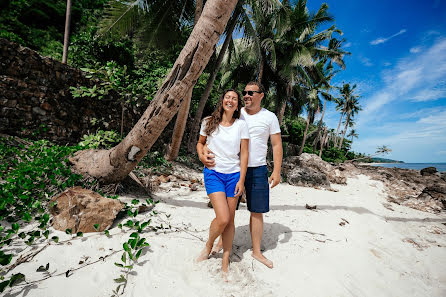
x=250 y=93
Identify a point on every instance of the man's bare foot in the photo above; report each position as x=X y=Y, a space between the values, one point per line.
x=225 y=276
x=216 y=249
x=204 y=255
x=261 y=258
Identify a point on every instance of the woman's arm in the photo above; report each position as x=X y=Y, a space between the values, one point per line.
x=244 y=152
x=200 y=145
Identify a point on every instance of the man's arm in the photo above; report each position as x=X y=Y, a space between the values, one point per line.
x=276 y=142
x=204 y=154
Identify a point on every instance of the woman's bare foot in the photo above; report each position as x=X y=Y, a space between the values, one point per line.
x=204 y=255
x=216 y=249
x=261 y=258
x=225 y=276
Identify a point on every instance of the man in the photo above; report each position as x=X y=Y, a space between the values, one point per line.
x=262 y=125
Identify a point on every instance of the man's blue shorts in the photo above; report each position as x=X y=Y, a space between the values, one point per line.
x=257 y=189
x=220 y=182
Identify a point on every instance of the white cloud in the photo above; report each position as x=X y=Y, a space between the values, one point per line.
x=429 y=95
x=404 y=81
x=385 y=39
x=348 y=44
x=415 y=50
x=366 y=61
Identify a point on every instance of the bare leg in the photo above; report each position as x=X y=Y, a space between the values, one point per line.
x=218 y=247
x=228 y=234
x=218 y=224
x=256 y=227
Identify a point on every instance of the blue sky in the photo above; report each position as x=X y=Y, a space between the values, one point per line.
x=398 y=62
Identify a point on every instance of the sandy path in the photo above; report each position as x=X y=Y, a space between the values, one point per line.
x=379 y=252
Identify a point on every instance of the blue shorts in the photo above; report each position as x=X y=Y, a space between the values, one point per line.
x=257 y=189
x=220 y=182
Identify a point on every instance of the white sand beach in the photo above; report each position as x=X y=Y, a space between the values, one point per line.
x=373 y=252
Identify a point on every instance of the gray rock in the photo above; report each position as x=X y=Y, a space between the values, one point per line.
x=307 y=177
x=80 y=209
x=428 y=171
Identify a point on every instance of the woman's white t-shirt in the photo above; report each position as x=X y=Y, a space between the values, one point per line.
x=224 y=142
x=261 y=126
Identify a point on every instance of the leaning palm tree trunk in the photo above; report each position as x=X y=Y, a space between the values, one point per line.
x=305 y=135
x=114 y=165
x=210 y=83
x=337 y=130
x=323 y=141
x=180 y=124
x=345 y=130
x=319 y=126
x=66 y=39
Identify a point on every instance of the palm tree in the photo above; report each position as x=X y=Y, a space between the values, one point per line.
x=352 y=134
x=312 y=103
x=66 y=39
x=335 y=55
x=114 y=165
x=351 y=106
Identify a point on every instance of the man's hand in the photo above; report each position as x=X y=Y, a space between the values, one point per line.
x=207 y=158
x=239 y=187
x=274 y=179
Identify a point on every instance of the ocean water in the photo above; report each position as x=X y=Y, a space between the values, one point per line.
x=416 y=166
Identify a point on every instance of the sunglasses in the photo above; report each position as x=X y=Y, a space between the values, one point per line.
x=250 y=93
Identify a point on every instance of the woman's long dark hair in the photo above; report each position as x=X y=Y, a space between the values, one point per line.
x=215 y=118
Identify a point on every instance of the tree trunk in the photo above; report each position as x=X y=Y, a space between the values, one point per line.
x=319 y=126
x=261 y=67
x=113 y=165
x=337 y=130
x=324 y=139
x=66 y=39
x=195 y=129
x=345 y=130
x=281 y=111
x=198 y=10
x=178 y=130
x=305 y=135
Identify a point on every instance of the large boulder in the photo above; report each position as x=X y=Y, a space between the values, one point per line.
x=307 y=177
x=80 y=209
x=428 y=171
x=333 y=174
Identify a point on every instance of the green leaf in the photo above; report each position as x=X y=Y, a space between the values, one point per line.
x=3 y=285
x=5 y=259
x=46 y=233
x=107 y=233
x=133 y=243
x=68 y=231
x=16 y=278
x=80 y=234
x=134 y=235
x=119 y=264
x=138 y=254
x=121 y=279
x=129 y=266
x=55 y=238
x=15 y=227
x=123 y=257
x=126 y=247
x=135 y=201
x=96 y=227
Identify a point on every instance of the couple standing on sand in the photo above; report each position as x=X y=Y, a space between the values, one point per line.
x=233 y=145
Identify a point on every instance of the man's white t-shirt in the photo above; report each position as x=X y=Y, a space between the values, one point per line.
x=261 y=125
x=224 y=142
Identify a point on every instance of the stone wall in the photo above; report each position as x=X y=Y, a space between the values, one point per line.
x=35 y=100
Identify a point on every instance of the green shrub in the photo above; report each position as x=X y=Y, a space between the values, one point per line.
x=101 y=139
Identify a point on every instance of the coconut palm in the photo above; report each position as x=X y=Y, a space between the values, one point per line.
x=66 y=39
x=351 y=106
x=312 y=104
x=115 y=164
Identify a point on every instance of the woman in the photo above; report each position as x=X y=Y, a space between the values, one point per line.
x=228 y=138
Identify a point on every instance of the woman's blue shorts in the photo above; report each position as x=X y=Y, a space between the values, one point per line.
x=257 y=189
x=220 y=182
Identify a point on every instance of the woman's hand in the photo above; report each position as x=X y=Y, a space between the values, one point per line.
x=239 y=188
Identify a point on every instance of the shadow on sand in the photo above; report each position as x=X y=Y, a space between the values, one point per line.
x=271 y=234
